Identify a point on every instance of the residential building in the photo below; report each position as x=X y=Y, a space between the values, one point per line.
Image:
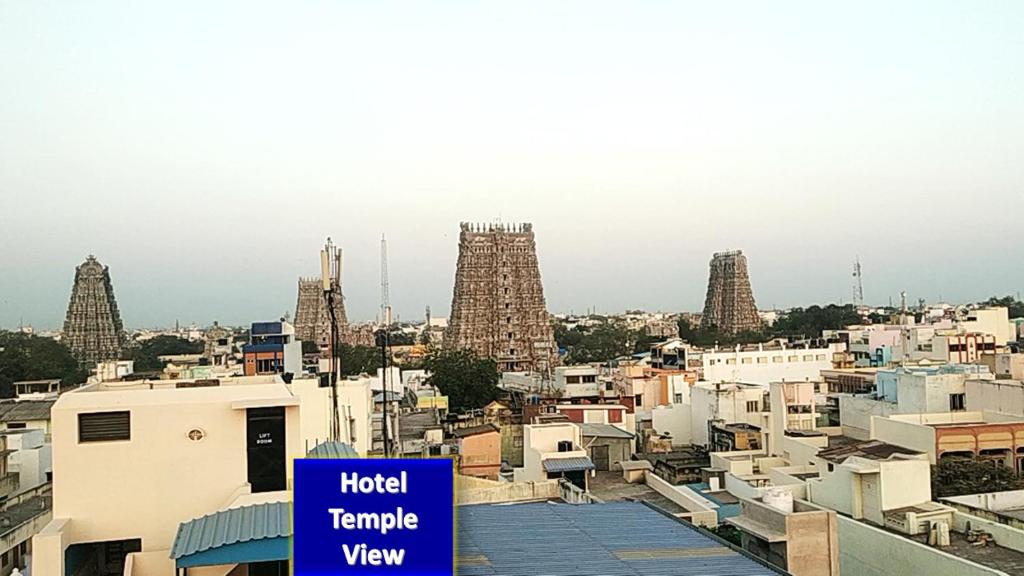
x=764 y=363
x=554 y=450
x=909 y=390
x=732 y=403
x=607 y=445
x=987 y=436
x=272 y=349
x=794 y=535
x=1008 y=365
x=166 y=455
x=479 y=450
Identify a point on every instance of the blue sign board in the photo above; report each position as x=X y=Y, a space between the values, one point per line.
x=374 y=516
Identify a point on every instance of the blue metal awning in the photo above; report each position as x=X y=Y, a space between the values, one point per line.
x=573 y=464
x=332 y=450
x=258 y=533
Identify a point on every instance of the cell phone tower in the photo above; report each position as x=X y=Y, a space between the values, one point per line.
x=858 y=285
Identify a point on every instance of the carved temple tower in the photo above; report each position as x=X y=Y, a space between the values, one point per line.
x=498 y=308
x=729 y=306
x=92 y=327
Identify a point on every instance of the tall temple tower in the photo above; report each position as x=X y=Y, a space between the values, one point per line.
x=312 y=317
x=92 y=328
x=498 y=308
x=729 y=306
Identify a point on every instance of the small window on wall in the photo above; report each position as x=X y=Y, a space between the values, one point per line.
x=104 y=426
x=957 y=402
x=752 y=406
x=15 y=425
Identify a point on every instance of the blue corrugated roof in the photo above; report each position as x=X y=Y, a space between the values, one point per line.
x=332 y=450
x=616 y=538
x=574 y=464
x=256 y=522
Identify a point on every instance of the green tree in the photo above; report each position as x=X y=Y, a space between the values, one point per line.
x=811 y=321
x=359 y=359
x=601 y=343
x=1014 y=307
x=468 y=381
x=959 y=476
x=27 y=357
x=146 y=353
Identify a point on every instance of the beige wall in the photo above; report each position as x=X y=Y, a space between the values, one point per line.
x=146 y=486
x=355 y=406
x=1005 y=396
x=906 y=434
x=480 y=455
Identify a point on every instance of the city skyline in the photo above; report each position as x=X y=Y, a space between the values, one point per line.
x=370 y=308
x=205 y=159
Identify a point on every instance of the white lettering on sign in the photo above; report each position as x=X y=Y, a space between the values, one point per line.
x=353 y=483
x=264 y=438
x=360 y=554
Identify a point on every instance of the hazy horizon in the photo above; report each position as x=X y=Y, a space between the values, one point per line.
x=204 y=151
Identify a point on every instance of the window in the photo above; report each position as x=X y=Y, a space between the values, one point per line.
x=777 y=359
x=752 y=406
x=957 y=402
x=730 y=360
x=506 y=291
x=23 y=548
x=808 y=358
x=3 y=559
x=511 y=351
x=517 y=441
x=572 y=379
x=748 y=360
x=677 y=399
x=762 y=359
x=104 y=426
x=15 y=425
x=509 y=335
x=266 y=365
x=793 y=359
x=638 y=400
x=819 y=357
x=508 y=320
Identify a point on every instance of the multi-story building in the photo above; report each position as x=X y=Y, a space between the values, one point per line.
x=272 y=349
x=764 y=363
x=554 y=450
x=169 y=457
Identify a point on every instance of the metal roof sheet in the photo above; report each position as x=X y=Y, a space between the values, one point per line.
x=24 y=410
x=256 y=522
x=332 y=450
x=616 y=538
x=572 y=464
x=604 y=431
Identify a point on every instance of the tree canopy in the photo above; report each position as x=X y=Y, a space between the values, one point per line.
x=359 y=359
x=147 y=352
x=811 y=321
x=468 y=381
x=28 y=357
x=599 y=343
x=959 y=476
x=1015 y=307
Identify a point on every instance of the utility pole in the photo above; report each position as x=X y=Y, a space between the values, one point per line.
x=330 y=278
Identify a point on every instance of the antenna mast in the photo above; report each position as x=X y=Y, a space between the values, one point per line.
x=858 y=285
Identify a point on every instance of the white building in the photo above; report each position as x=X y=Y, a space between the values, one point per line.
x=767 y=363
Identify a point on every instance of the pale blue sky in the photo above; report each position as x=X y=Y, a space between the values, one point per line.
x=204 y=150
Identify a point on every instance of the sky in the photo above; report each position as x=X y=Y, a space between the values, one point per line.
x=204 y=150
